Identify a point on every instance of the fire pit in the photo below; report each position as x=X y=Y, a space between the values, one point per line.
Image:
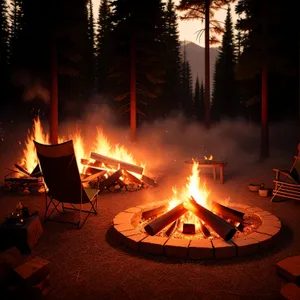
x=196 y=227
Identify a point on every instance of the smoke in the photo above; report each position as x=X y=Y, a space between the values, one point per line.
x=165 y=145
x=34 y=88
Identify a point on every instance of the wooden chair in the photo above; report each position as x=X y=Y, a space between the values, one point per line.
x=289 y=185
x=63 y=184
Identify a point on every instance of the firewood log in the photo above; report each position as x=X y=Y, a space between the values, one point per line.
x=221 y=227
x=161 y=222
x=154 y=211
x=227 y=212
x=117 y=163
x=110 y=180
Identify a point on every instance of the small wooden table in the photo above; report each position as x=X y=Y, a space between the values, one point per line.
x=213 y=164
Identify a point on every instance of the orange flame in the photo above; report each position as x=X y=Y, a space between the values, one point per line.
x=79 y=150
x=193 y=188
x=209 y=158
x=29 y=160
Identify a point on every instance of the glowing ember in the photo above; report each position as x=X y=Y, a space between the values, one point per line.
x=193 y=188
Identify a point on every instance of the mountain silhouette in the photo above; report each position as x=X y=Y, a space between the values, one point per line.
x=195 y=56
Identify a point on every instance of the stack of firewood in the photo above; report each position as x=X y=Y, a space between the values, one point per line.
x=109 y=174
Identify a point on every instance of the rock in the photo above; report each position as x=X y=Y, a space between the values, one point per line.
x=290 y=291
x=289 y=269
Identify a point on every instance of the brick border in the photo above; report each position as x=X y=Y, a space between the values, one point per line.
x=125 y=223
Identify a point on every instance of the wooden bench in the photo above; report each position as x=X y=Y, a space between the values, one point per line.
x=213 y=164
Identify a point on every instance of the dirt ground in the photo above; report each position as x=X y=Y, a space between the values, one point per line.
x=85 y=264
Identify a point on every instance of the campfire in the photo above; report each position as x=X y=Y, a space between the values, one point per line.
x=109 y=167
x=192 y=214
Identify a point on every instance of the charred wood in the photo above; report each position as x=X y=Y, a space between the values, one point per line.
x=109 y=181
x=171 y=229
x=117 y=163
x=161 y=222
x=221 y=227
x=188 y=228
x=148 y=180
x=227 y=212
x=155 y=211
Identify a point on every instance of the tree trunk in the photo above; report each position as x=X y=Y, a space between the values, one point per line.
x=207 y=66
x=132 y=90
x=264 y=151
x=54 y=96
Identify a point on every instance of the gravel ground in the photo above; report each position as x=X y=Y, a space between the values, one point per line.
x=87 y=264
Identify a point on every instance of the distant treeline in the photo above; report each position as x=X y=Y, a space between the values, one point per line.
x=96 y=59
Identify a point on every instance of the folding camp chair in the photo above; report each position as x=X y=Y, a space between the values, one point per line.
x=289 y=186
x=62 y=181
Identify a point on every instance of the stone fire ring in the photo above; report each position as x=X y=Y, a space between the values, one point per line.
x=124 y=230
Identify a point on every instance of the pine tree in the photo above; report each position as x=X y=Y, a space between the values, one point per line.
x=202 y=101
x=138 y=44
x=103 y=46
x=197 y=100
x=187 y=85
x=4 y=36
x=225 y=101
x=171 y=96
x=53 y=41
x=269 y=50
x=91 y=35
x=204 y=10
x=4 y=48
x=199 y=107
x=17 y=25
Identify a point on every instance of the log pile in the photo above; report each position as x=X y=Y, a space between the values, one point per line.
x=19 y=180
x=109 y=174
x=219 y=219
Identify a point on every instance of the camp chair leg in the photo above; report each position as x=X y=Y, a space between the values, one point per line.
x=50 y=201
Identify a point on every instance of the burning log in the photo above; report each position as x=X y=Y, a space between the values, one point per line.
x=221 y=227
x=117 y=163
x=161 y=222
x=94 y=176
x=148 y=180
x=227 y=212
x=171 y=229
x=89 y=164
x=131 y=177
x=110 y=180
x=22 y=170
x=154 y=211
x=188 y=228
x=204 y=230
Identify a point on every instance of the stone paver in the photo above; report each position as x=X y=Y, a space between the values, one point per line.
x=264 y=213
x=253 y=209
x=122 y=218
x=245 y=245
x=153 y=245
x=126 y=222
x=201 y=249
x=269 y=230
x=263 y=239
x=289 y=268
x=177 y=248
x=133 y=241
x=133 y=210
x=290 y=291
x=123 y=227
x=223 y=249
